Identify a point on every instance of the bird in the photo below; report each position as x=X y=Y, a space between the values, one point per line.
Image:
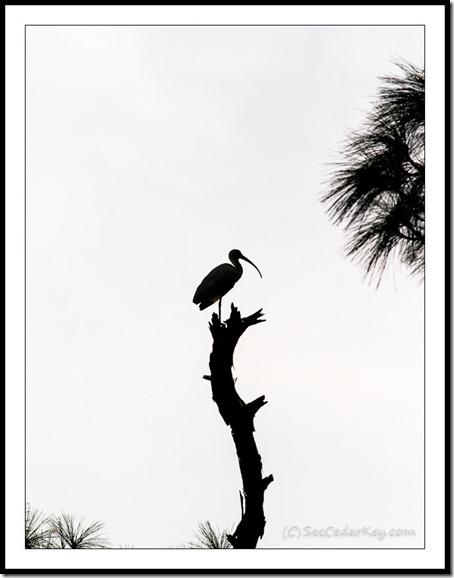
x=220 y=280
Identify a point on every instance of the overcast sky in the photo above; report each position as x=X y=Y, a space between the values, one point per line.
x=151 y=153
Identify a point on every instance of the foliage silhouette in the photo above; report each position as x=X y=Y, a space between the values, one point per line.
x=377 y=191
x=37 y=532
x=71 y=534
x=207 y=537
x=59 y=532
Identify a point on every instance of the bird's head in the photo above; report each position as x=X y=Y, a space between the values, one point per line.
x=236 y=254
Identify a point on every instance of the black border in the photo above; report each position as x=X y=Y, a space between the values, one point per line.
x=447 y=568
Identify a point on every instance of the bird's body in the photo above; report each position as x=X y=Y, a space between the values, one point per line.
x=216 y=284
x=220 y=280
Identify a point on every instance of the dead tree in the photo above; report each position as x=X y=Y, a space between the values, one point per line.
x=240 y=417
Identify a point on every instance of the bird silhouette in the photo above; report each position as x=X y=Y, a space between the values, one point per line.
x=220 y=280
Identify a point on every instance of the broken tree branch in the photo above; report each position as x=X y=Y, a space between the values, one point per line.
x=240 y=417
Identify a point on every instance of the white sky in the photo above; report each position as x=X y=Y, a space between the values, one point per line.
x=151 y=152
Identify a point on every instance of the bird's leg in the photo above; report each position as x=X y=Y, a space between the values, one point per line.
x=220 y=301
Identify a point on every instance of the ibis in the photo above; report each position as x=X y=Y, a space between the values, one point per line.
x=220 y=280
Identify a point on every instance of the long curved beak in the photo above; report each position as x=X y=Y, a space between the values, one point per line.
x=251 y=263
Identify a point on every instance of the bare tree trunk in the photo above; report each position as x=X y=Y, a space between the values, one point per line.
x=240 y=417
